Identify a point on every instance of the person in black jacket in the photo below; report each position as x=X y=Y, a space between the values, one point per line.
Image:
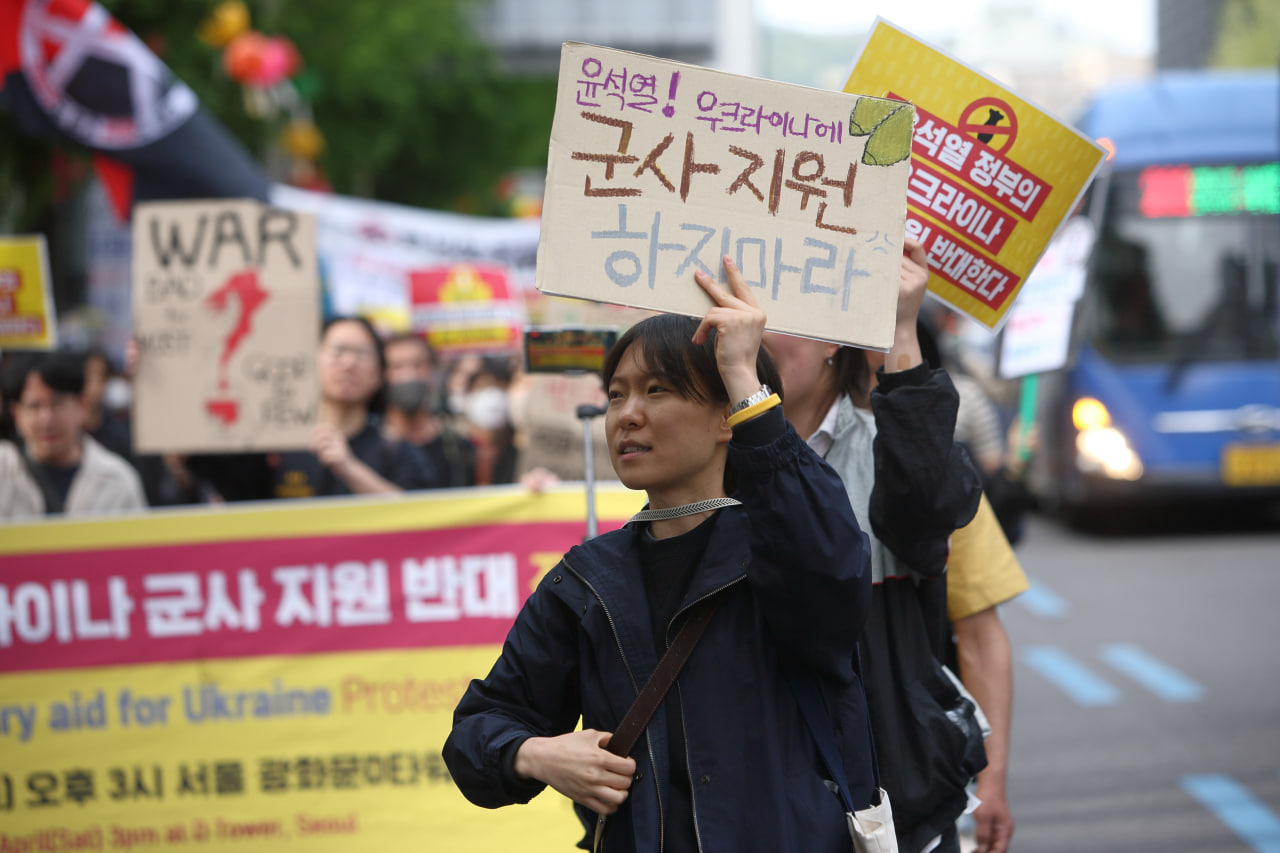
x=727 y=764
x=414 y=403
x=910 y=485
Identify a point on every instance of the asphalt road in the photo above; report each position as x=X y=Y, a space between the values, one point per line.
x=1147 y=686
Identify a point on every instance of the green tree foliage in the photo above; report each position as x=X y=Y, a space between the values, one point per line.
x=411 y=103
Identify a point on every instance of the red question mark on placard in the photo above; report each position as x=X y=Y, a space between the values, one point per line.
x=244 y=287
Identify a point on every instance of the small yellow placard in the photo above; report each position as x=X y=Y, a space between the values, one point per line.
x=993 y=176
x=27 y=318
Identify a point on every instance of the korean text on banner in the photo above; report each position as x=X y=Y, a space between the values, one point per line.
x=658 y=168
x=992 y=177
x=27 y=318
x=226 y=308
x=269 y=677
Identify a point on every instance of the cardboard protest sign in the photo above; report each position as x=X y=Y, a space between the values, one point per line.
x=544 y=408
x=26 y=297
x=226 y=312
x=658 y=168
x=992 y=178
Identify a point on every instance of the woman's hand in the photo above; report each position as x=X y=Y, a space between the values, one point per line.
x=578 y=766
x=330 y=447
x=913 y=284
x=538 y=480
x=739 y=324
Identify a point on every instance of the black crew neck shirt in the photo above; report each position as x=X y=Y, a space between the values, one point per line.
x=668 y=565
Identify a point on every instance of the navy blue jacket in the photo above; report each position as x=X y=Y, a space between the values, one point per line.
x=792 y=569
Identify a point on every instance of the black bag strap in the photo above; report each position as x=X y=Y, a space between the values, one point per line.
x=664 y=675
x=805 y=687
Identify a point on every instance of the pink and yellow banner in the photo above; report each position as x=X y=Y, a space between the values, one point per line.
x=993 y=176
x=269 y=676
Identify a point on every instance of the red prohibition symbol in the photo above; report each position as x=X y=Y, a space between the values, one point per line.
x=992 y=121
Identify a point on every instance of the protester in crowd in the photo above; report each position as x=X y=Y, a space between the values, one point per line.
x=414 y=398
x=7 y=395
x=108 y=395
x=348 y=453
x=105 y=425
x=784 y=561
x=885 y=424
x=59 y=468
x=487 y=411
x=982 y=574
x=456 y=382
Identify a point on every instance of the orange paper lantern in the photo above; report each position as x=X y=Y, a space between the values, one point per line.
x=243 y=57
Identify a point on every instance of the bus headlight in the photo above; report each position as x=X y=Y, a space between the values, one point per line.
x=1105 y=450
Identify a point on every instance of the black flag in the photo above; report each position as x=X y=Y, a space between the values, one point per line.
x=71 y=72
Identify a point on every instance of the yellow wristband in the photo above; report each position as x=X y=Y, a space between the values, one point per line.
x=751 y=411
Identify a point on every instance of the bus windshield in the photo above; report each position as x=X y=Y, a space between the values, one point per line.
x=1185 y=265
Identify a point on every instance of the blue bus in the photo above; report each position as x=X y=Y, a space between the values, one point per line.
x=1172 y=386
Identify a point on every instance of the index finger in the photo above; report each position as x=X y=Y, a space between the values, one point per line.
x=914 y=250
x=741 y=289
x=708 y=284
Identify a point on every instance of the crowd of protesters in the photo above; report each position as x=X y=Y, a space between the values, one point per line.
x=392 y=417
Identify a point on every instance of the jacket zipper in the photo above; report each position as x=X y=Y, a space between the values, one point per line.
x=684 y=730
x=653 y=764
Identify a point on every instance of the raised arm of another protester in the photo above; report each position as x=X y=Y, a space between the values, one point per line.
x=925 y=484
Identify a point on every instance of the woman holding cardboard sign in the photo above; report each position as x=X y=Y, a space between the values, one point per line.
x=885 y=423
x=748 y=537
x=347 y=454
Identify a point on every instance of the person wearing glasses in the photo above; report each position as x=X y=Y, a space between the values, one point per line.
x=348 y=453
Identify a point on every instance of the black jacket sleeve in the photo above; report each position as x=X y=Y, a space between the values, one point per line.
x=810 y=562
x=926 y=485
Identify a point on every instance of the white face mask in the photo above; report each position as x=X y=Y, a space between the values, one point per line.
x=117 y=394
x=487 y=408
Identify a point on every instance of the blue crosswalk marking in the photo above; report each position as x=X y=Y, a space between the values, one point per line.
x=1071 y=677
x=1238 y=810
x=1042 y=601
x=1153 y=674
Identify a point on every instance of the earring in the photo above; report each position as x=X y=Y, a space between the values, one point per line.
x=831 y=361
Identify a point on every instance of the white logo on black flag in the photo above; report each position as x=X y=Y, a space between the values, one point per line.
x=95 y=80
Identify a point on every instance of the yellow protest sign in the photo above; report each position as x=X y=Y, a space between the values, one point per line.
x=993 y=176
x=27 y=318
